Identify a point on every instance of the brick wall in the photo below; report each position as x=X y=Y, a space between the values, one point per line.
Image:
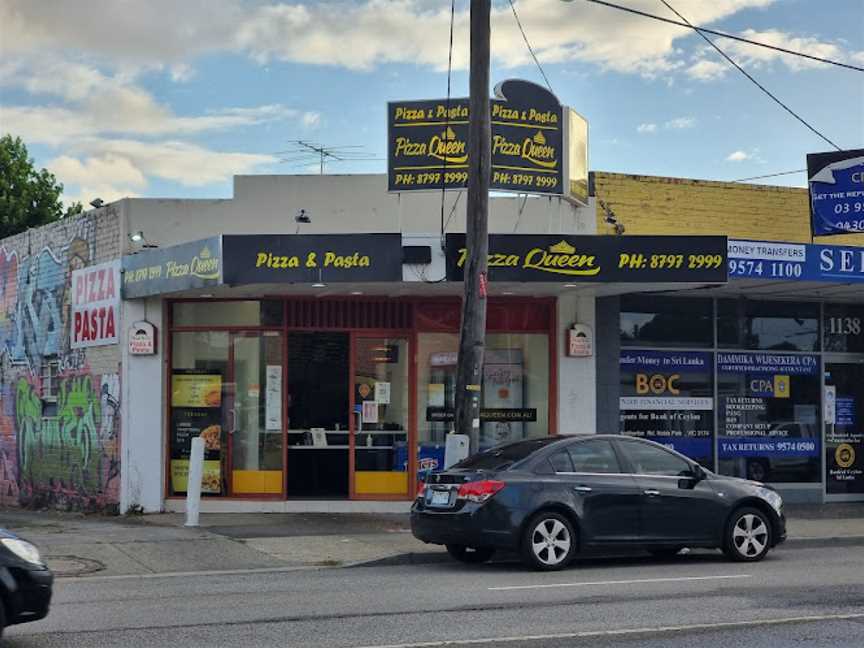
x=59 y=450
x=655 y=205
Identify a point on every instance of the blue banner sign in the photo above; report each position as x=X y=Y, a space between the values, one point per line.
x=836 y=183
x=693 y=447
x=795 y=261
x=786 y=364
x=736 y=447
x=665 y=361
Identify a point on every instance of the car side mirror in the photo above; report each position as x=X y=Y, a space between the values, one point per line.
x=697 y=472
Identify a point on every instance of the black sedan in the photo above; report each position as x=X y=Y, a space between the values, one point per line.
x=550 y=498
x=25 y=582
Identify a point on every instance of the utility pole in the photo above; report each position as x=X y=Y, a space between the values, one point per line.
x=469 y=376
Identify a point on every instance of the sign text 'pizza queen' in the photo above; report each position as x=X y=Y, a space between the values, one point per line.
x=95 y=305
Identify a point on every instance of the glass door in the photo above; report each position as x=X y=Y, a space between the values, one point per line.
x=255 y=402
x=844 y=430
x=381 y=409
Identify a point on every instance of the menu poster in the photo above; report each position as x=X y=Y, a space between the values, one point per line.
x=211 y=477
x=273 y=398
x=192 y=388
x=190 y=422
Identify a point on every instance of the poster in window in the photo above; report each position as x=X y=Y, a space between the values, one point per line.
x=503 y=372
x=667 y=397
x=191 y=388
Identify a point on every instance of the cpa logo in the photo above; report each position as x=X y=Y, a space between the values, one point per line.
x=844 y=455
x=657 y=384
x=778 y=387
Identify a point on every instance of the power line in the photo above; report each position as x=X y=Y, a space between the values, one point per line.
x=770 y=175
x=530 y=49
x=754 y=81
x=714 y=32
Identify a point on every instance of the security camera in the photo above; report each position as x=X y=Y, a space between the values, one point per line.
x=97 y=203
x=302 y=216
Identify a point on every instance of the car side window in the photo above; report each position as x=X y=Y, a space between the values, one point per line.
x=595 y=456
x=648 y=460
x=561 y=462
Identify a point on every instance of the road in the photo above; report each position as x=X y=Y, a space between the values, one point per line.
x=798 y=596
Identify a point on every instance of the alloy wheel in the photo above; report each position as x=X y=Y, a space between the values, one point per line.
x=750 y=535
x=551 y=541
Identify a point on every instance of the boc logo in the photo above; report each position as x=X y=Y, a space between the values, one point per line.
x=778 y=387
x=657 y=384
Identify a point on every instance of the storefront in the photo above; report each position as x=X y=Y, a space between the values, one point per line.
x=302 y=395
x=342 y=398
x=755 y=382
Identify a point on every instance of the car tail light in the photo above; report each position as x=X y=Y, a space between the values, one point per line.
x=479 y=491
x=421 y=490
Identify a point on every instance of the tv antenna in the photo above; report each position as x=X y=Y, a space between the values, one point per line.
x=304 y=153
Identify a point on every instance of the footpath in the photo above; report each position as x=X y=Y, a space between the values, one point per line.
x=83 y=546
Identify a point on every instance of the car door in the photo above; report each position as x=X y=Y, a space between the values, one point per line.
x=675 y=505
x=606 y=500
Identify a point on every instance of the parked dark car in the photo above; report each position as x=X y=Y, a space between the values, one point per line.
x=25 y=582
x=550 y=498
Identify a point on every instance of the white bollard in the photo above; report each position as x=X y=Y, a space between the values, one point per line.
x=193 y=484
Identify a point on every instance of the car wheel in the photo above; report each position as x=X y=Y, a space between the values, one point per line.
x=470 y=555
x=748 y=535
x=665 y=552
x=549 y=542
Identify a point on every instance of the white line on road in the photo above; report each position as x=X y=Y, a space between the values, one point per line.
x=624 y=632
x=635 y=581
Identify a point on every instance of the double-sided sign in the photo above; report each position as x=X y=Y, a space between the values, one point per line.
x=428 y=142
x=836 y=182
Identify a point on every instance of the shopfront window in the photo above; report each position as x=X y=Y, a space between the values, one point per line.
x=844 y=328
x=769 y=416
x=648 y=320
x=228 y=313
x=769 y=325
x=514 y=396
x=668 y=397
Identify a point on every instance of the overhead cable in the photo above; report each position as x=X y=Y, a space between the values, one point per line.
x=530 y=49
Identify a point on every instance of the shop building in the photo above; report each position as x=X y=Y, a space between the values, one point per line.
x=315 y=354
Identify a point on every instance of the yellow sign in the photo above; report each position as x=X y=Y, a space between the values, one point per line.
x=561 y=258
x=844 y=455
x=196 y=390
x=782 y=387
x=211 y=477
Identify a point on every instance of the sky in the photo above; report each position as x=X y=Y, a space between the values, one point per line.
x=171 y=99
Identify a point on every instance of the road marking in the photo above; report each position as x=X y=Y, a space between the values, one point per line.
x=183 y=574
x=635 y=581
x=624 y=632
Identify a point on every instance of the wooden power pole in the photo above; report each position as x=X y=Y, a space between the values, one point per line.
x=469 y=377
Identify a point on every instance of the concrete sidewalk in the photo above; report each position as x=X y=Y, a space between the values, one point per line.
x=81 y=545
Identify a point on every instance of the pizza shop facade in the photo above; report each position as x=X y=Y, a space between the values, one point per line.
x=315 y=368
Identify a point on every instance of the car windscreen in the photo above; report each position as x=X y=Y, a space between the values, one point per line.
x=502 y=457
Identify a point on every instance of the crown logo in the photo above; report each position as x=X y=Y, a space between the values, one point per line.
x=448 y=134
x=540 y=139
x=205 y=253
x=562 y=248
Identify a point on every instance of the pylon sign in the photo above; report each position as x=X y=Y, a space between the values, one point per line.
x=428 y=142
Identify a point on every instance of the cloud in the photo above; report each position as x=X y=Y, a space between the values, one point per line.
x=646 y=128
x=710 y=67
x=738 y=156
x=680 y=123
x=354 y=34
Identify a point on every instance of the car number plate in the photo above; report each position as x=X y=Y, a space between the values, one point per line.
x=440 y=498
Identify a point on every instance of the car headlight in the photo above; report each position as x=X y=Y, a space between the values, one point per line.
x=23 y=549
x=773 y=498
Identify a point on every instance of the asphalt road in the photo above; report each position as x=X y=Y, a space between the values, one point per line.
x=796 y=597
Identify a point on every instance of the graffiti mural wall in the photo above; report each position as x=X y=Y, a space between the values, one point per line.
x=59 y=407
